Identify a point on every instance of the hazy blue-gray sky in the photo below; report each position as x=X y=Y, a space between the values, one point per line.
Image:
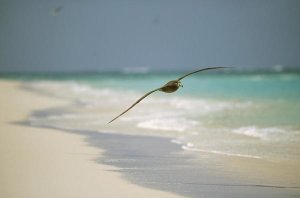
x=72 y=35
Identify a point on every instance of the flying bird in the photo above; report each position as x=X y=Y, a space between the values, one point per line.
x=169 y=87
x=56 y=11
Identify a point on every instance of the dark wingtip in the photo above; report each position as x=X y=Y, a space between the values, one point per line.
x=110 y=121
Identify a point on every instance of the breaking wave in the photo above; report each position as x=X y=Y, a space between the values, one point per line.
x=206 y=125
x=262 y=133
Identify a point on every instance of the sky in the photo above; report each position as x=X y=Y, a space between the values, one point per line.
x=112 y=35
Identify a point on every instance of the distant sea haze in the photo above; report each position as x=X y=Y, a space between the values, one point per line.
x=142 y=70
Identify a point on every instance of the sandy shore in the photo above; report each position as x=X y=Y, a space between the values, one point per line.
x=38 y=162
x=44 y=162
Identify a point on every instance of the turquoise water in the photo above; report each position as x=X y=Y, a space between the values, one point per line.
x=242 y=115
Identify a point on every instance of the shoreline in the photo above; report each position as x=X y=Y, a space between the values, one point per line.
x=145 y=164
x=155 y=162
x=40 y=162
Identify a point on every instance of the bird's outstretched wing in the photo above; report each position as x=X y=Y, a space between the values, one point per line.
x=208 y=68
x=139 y=100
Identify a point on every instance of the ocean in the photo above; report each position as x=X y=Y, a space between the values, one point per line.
x=239 y=115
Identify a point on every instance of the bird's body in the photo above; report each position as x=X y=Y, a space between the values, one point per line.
x=169 y=87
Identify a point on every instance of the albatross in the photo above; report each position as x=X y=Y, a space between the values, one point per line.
x=169 y=87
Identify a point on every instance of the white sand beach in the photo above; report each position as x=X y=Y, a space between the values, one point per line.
x=38 y=162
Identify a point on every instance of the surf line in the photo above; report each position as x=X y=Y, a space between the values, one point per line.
x=228 y=185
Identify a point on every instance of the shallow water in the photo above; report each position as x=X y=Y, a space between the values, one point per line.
x=243 y=115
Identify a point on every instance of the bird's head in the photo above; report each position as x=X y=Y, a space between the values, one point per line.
x=179 y=84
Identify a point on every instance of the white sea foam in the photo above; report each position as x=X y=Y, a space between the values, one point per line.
x=179 y=140
x=262 y=133
x=80 y=93
x=168 y=124
x=150 y=113
x=190 y=147
x=205 y=106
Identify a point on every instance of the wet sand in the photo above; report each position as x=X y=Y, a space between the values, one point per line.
x=157 y=163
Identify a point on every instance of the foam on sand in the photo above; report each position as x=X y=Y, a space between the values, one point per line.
x=261 y=133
